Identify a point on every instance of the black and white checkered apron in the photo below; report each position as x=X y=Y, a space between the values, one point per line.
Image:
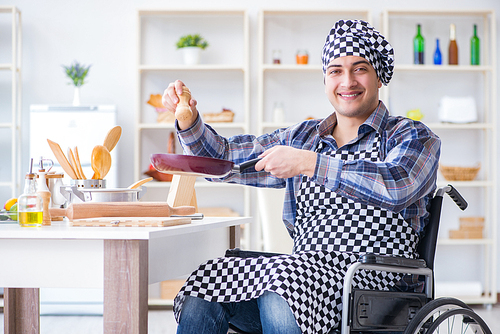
x=330 y=233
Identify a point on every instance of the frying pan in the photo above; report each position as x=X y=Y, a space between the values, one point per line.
x=197 y=166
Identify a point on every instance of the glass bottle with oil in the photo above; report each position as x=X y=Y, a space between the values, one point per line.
x=29 y=204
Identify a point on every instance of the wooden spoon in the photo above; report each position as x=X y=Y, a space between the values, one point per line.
x=112 y=138
x=101 y=162
x=63 y=161
x=139 y=183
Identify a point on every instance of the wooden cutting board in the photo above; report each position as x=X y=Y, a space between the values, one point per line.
x=131 y=221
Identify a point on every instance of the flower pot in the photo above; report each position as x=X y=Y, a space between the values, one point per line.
x=76 y=97
x=191 y=55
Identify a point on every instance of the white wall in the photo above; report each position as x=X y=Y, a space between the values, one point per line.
x=103 y=33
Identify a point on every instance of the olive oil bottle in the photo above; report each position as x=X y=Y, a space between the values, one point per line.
x=29 y=204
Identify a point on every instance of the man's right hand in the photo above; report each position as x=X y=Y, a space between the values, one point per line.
x=171 y=98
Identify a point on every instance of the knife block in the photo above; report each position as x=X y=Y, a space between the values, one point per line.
x=182 y=191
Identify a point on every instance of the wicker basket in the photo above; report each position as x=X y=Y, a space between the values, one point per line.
x=452 y=173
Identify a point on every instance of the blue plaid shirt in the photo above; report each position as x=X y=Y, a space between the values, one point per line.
x=403 y=181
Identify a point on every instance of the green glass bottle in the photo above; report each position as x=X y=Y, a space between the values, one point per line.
x=474 y=48
x=418 y=47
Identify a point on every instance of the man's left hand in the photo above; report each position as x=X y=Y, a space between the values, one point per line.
x=285 y=162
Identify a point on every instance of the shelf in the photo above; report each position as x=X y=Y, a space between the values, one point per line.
x=475 y=139
x=12 y=106
x=221 y=80
x=6 y=125
x=6 y=184
x=464 y=242
x=200 y=67
x=444 y=68
x=464 y=184
x=421 y=12
x=291 y=67
x=160 y=302
x=200 y=183
x=5 y=66
x=220 y=125
x=459 y=126
x=188 y=12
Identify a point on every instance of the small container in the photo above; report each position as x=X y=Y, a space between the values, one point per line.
x=276 y=56
x=109 y=194
x=77 y=185
x=29 y=204
x=302 y=57
x=278 y=113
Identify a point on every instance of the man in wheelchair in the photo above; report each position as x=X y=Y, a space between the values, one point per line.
x=358 y=181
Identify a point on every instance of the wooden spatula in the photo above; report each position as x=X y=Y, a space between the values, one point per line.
x=72 y=162
x=78 y=164
x=63 y=161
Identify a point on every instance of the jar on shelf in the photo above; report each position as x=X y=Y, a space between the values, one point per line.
x=302 y=57
x=276 y=56
x=278 y=112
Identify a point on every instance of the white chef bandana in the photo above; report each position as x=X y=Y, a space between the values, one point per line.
x=359 y=38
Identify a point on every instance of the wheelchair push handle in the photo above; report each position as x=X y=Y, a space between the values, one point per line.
x=455 y=196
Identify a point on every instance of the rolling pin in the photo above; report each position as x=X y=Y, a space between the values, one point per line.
x=121 y=209
x=183 y=111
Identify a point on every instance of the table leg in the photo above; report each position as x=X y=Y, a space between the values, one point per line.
x=21 y=310
x=234 y=236
x=125 y=286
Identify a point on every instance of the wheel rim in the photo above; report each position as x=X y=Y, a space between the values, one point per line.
x=438 y=311
x=459 y=321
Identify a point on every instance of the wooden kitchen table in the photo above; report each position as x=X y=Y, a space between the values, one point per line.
x=122 y=260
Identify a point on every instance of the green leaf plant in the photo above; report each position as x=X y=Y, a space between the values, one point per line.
x=77 y=73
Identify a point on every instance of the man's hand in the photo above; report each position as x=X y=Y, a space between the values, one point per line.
x=171 y=98
x=285 y=161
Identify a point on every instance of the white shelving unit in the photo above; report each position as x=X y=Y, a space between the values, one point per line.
x=221 y=80
x=299 y=88
x=10 y=106
x=421 y=87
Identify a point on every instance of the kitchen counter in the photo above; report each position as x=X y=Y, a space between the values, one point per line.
x=122 y=260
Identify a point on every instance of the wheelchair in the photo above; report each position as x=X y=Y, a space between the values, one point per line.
x=370 y=311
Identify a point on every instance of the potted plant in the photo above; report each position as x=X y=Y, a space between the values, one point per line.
x=191 y=46
x=77 y=73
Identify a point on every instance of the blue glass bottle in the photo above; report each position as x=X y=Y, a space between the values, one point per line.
x=437 y=54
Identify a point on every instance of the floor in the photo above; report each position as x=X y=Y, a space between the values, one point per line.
x=162 y=322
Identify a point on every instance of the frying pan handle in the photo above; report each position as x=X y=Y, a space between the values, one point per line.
x=247 y=164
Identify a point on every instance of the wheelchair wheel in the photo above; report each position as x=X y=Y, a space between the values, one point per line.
x=426 y=316
x=460 y=321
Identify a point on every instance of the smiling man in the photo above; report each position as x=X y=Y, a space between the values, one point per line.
x=357 y=181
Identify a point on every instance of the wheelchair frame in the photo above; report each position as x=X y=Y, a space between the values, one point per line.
x=423 y=320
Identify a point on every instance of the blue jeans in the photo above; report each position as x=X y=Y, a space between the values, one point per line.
x=267 y=314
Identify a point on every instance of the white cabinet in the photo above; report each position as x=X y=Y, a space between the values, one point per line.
x=297 y=88
x=10 y=102
x=220 y=80
x=463 y=145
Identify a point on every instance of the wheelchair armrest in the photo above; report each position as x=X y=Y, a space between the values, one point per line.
x=389 y=260
x=236 y=252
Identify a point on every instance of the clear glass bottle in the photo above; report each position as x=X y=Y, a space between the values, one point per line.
x=418 y=47
x=29 y=204
x=438 y=59
x=474 y=48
